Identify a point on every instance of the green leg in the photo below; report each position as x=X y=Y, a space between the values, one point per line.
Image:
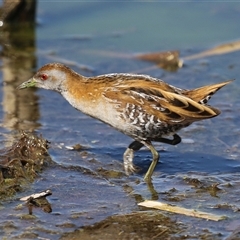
x=176 y=139
x=148 y=176
x=136 y=145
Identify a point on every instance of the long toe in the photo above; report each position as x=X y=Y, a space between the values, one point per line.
x=132 y=169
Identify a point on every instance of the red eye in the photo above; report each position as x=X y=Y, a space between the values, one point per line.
x=44 y=76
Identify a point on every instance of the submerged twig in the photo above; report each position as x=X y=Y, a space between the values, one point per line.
x=218 y=50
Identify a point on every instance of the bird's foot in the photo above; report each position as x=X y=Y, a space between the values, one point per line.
x=129 y=167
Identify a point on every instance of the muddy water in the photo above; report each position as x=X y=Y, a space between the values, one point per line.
x=89 y=184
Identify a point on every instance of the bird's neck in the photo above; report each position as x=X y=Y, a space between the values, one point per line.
x=83 y=94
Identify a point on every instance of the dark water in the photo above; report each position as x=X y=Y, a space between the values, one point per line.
x=90 y=185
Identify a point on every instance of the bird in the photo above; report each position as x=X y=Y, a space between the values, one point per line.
x=145 y=108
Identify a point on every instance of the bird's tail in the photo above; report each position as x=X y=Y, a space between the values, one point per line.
x=203 y=94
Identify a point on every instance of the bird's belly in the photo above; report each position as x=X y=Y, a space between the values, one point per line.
x=145 y=126
x=150 y=131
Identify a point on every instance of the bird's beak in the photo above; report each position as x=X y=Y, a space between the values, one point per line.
x=30 y=83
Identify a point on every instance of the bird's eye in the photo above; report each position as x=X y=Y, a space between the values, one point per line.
x=43 y=77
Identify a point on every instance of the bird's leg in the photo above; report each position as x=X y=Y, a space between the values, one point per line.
x=128 y=156
x=135 y=146
x=176 y=139
x=155 y=159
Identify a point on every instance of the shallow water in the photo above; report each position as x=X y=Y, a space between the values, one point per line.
x=89 y=185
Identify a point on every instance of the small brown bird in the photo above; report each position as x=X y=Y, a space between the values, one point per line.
x=142 y=107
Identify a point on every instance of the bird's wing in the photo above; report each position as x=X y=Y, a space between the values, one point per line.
x=170 y=107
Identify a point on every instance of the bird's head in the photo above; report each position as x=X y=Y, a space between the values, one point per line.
x=50 y=76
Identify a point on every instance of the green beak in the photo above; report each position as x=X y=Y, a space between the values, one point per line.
x=30 y=83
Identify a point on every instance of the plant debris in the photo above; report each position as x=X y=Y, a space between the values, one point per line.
x=218 y=50
x=22 y=162
x=181 y=210
x=168 y=60
x=38 y=200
